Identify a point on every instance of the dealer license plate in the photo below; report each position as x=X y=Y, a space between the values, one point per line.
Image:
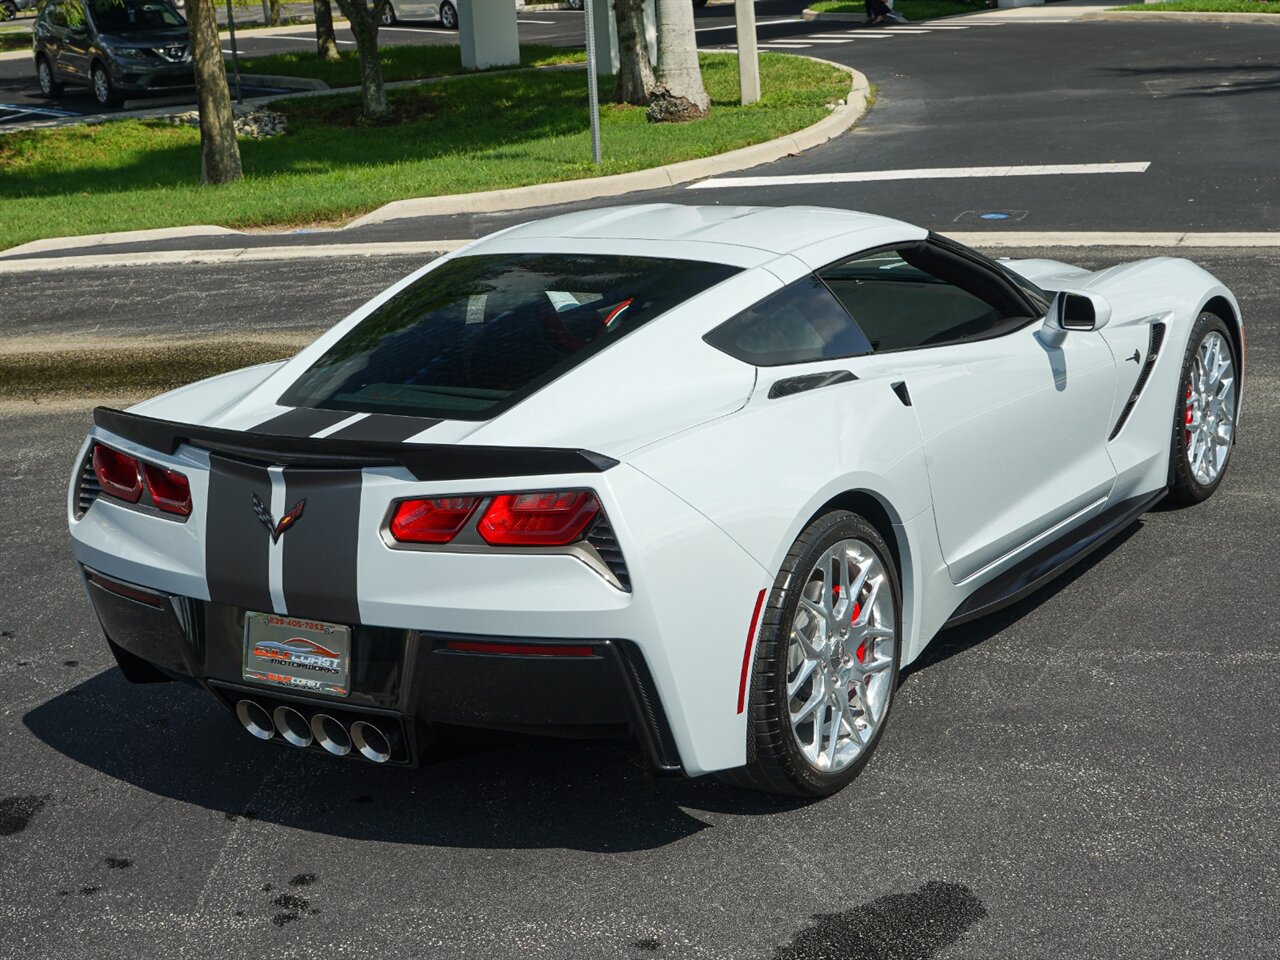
x=304 y=655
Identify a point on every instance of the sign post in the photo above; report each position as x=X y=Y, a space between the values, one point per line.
x=593 y=93
x=235 y=55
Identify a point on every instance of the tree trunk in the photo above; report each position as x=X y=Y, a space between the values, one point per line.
x=364 y=20
x=219 y=152
x=635 y=73
x=679 y=94
x=326 y=42
x=274 y=8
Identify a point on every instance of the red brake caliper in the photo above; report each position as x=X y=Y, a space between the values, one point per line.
x=1190 y=410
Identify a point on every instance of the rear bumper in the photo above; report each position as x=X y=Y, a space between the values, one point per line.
x=409 y=678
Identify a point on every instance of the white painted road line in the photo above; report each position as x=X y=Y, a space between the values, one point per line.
x=1013 y=239
x=759 y=23
x=785 y=46
x=923 y=173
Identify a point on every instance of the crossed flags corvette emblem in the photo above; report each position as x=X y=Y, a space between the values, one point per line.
x=277 y=530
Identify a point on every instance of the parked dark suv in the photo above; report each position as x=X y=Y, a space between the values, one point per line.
x=113 y=46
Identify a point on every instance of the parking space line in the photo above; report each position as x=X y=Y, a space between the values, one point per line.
x=924 y=173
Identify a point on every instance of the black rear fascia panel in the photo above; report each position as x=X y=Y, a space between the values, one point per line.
x=425 y=461
x=1042 y=566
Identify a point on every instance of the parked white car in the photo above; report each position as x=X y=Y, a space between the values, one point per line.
x=706 y=476
x=443 y=11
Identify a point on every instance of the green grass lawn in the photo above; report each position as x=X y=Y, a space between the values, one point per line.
x=910 y=9
x=15 y=40
x=1208 y=6
x=398 y=63
x=455 y=136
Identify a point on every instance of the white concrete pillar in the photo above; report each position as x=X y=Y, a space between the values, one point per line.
x=748 y=56
x=651 y=30
x=606 y=31
x=488 y=34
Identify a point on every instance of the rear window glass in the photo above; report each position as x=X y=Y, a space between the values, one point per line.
x=479 y=334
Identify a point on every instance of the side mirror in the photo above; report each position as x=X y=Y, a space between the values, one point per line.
x=1080 y=310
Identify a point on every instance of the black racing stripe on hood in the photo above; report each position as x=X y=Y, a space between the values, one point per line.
x=384 y=428
x=320 y=549
x=236 y=542
x=301 y=422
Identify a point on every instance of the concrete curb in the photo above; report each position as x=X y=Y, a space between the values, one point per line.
x=570 y=191
x=155 y=258
x=1131 y=15
x=985 y=240
x=285 y=82
x=91 y=240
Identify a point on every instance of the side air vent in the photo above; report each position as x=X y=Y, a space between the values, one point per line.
x=1153 y=351
x=87 y=487
x=602 y=539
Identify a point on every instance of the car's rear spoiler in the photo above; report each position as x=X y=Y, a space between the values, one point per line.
x=425 y=461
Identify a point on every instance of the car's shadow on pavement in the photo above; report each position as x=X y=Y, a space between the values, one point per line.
x=174 y=741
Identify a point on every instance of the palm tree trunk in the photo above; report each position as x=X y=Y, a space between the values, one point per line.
x=679 y=94
x=635 y=73
x=364 y=19
x=326 y=42
x=219 y=151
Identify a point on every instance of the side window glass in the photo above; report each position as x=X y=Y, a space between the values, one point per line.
x=799 y=323
x=57 y=17
x=921 y=297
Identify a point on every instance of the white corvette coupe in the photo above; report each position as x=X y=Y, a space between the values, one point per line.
x=707 y=476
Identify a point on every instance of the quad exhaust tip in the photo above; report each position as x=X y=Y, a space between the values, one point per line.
x=255 y=719
x=293 y=726
x=372 y=743
x=322 y=730
x=331 y=734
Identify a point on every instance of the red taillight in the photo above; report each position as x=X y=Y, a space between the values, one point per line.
x=118 y=473
x=539 y=519
x=170 y=490
x=431 y=521
x=125 y=477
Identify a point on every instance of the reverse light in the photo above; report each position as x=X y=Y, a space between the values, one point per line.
x=553 y=519
x=170 y=490
x=436 y=520
x=118 y=474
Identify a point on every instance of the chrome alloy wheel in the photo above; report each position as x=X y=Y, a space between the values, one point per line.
x=840 y=656
x=101 y=86
x=1211 y=408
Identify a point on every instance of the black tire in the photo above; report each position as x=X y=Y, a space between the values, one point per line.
x=1183 y=485
x=775 y=763
x=48 y=80
x=104 y=91
x=388 y=18
x=699 y=3
x=448 y=16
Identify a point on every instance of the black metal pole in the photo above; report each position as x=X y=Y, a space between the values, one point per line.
x=235 y=55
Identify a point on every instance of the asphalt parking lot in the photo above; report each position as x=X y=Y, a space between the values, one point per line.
x=1090 y=774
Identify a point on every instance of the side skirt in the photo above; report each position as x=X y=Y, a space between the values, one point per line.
x=1046 y=563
